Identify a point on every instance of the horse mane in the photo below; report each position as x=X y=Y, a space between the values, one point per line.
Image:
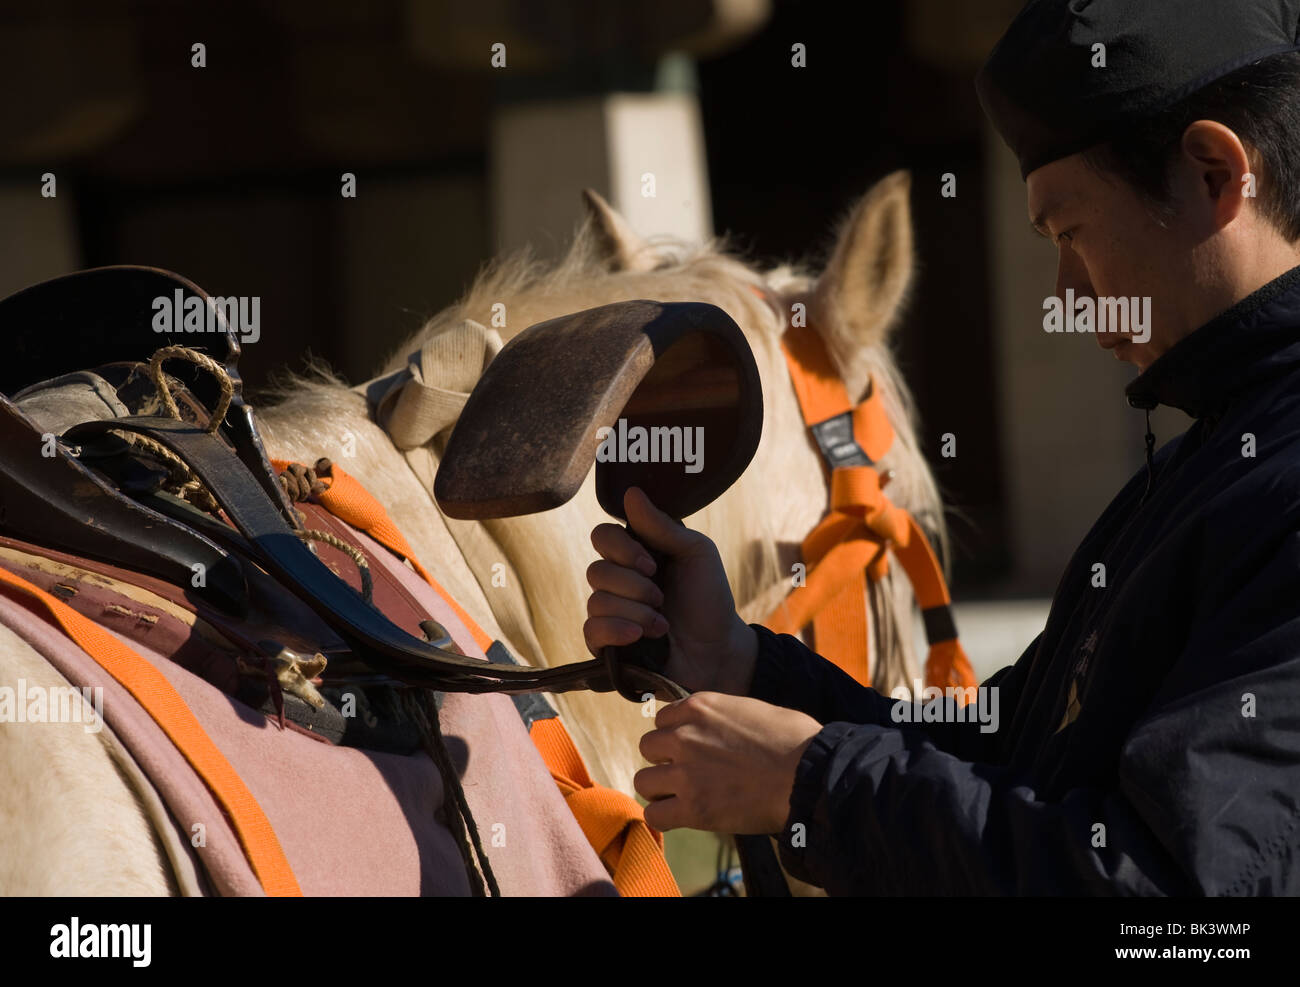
x=527 y=282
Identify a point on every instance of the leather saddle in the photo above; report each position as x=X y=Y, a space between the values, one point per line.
x=95 y=328
x=74 y=485
x=75 y=381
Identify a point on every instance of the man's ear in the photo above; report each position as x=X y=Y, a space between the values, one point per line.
x=1220 y=166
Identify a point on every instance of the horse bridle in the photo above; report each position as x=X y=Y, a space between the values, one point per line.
x=849 y=547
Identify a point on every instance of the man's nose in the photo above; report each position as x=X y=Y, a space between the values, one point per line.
x=1071 y=273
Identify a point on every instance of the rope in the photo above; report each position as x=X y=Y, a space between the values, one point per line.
x=422 y=706
x=300 y=482
x=363 y=565
x=207 y=363
x=187 y=485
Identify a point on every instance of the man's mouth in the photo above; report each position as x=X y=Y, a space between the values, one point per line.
x=1112 y=341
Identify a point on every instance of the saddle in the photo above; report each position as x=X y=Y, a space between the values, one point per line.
x=84 y=388
x=76 y=486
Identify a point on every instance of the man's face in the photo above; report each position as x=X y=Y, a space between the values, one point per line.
x=1109 y=246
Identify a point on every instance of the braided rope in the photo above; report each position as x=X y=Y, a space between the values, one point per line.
x=218 y=414
x=363 y=564
x=188 y=486
x=422 y=706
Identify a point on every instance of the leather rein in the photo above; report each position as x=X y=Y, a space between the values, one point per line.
x=272 y=544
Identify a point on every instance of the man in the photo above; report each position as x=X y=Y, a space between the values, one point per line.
x=1150 y=736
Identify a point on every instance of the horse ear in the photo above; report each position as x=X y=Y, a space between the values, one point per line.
x=615 y=241
x=860 y=292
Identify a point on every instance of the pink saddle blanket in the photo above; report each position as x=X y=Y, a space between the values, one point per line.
x=350 y=821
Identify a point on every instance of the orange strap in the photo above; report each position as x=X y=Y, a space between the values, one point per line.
x=162 y=702
x=613 y=823
x=848 y=547
x=351 y=503
x=822 y=395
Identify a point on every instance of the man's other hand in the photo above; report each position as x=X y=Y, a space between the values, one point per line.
x=725 y=764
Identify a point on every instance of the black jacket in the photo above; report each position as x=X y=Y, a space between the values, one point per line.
x=1179 y=771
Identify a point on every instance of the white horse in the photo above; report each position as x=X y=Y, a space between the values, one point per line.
x=71 y=814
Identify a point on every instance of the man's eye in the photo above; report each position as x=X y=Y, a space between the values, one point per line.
x=1067 y=237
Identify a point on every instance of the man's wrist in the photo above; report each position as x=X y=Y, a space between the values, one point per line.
x=737 y=674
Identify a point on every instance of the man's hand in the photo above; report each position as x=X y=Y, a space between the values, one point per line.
x=710 y=646
x=725 y=764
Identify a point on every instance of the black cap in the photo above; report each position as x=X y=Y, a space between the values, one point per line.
x=1041 y=89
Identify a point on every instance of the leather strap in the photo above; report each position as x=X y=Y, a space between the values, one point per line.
x=55 y=499
x=383 y=645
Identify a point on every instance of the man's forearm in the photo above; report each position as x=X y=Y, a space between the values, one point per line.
x=787 y=673
x=876 y=812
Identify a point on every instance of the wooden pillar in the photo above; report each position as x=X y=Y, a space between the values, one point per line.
x=643 y=151
x=38 y=236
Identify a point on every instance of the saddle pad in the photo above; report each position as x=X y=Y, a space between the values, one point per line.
x=350 y=821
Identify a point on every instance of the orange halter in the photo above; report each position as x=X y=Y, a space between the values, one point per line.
x=848 y=547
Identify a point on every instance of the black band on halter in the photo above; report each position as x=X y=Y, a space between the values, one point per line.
x=838 y=445
x=939 y=623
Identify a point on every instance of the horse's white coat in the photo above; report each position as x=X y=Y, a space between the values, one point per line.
x=69 y=821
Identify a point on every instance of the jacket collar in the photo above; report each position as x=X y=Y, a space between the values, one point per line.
x=1256 y=339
